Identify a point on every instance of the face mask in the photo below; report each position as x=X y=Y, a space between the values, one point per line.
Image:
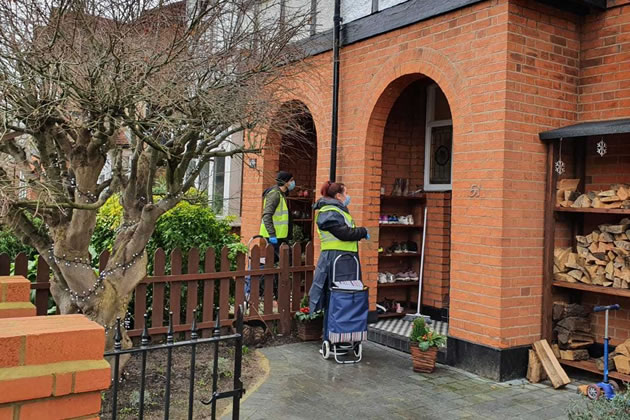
x=291 y=185
x=346 y=201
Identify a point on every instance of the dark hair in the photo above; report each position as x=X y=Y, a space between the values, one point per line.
x=331 y=189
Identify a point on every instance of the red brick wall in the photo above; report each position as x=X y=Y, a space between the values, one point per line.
x=542 y=77
x=605 y=64
x=509 y=69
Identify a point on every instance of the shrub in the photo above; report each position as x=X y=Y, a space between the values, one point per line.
x=185 y=226
x=11 y=245
x=616 y=409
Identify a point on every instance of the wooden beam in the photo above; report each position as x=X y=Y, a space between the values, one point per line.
x=549 y=232
x=556 y=374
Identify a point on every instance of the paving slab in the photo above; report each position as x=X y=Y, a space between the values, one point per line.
x=301 y=385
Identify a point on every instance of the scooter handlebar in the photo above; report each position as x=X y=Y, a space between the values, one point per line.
x=606 y=308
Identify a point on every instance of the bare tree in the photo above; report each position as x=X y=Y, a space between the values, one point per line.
x=81 y=79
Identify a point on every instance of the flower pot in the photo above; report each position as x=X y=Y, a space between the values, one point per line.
x=423 y=361
x=310 y=330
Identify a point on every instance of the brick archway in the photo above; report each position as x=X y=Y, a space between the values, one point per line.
x=386 y=87
x=262 y=176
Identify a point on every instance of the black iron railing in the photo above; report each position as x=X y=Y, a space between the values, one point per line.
x=236 y=393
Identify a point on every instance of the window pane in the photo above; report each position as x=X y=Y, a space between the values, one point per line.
x=218 y=183
x=441 y=154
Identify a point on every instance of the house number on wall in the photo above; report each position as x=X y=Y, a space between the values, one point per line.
x=475 y=190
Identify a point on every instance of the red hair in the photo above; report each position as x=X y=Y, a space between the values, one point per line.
x=331 y=189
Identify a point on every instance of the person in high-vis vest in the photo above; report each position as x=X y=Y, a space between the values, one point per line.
x=276 y=220
x=338 y=235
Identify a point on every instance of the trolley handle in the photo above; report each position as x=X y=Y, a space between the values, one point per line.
x=606 y=308
x=334 y=267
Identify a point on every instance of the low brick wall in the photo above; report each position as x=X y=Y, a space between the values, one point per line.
x=50 y=367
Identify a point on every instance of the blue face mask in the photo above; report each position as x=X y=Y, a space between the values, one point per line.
x=346 y=201
x=291 y=185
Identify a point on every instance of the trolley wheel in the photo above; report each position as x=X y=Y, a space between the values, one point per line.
x=594 y=392
x=358 y=350
x=325 y=351
x=614 y=385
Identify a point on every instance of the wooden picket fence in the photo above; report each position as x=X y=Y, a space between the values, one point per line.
x=202 y=289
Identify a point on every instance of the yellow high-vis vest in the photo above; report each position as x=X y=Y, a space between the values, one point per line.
x=280 y=218
x=329 y=241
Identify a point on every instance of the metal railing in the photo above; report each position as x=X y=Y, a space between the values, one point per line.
x=236 y=393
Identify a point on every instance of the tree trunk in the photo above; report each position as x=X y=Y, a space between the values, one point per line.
x=110 y=302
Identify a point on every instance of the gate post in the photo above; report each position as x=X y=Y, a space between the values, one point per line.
x=49 y=365
x=284 y=292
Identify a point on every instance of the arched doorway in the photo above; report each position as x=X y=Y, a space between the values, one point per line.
x=294 y=149
x=416 y=172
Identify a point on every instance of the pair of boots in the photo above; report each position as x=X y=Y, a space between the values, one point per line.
x=401 y=187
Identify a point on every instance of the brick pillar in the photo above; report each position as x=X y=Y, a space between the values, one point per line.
x=51 y=367
x=15 y=297
x=435 y=287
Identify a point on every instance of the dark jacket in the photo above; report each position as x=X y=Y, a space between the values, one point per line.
x=333 y=222
x=273 y=200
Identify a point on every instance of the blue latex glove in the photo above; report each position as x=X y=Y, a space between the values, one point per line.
x=273 y=240
x=367 y=236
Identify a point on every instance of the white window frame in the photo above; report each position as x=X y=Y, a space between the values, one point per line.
x=225 y=207
x=430 y=124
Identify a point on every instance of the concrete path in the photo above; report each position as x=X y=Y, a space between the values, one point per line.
x=301 y=385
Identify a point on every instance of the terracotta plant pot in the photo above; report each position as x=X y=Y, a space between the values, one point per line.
x=423 y=361
x=310 y=330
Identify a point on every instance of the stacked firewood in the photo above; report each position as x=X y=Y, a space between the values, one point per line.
x=602 y=257
x=617 y=197
x=572 y=328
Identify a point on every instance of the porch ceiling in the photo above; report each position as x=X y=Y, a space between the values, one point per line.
x=594 y=128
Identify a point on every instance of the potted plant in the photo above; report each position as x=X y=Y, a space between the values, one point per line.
x=424 y=344
x=309 y=325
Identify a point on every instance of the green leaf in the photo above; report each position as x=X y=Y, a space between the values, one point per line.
x=424 y=345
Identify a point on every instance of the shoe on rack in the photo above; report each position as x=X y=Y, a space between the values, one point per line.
x=396 y=249
x=390 y=277
x=399 y=308
x=403 y=248
x=382 y=278
x=402 y=277
x=397 y=191
x=403 y=220
x=380 y=250
x=405 y=186
x=413 y=276
x=410 y=219
x=412 y=247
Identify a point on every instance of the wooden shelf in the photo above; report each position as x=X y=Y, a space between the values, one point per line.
x=595 y=289
x=398 y=284
x=590 y=366
x=401 y=255
x=418 y=197
x=398 y=225
x=591 y=210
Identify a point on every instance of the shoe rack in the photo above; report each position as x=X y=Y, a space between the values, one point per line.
x=400 y=203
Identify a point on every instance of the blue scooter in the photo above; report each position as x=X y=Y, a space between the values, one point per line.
x=608 y=388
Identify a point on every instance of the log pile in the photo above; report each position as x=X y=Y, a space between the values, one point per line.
x=602 y=257
x=572 y=328
x=567 y=195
